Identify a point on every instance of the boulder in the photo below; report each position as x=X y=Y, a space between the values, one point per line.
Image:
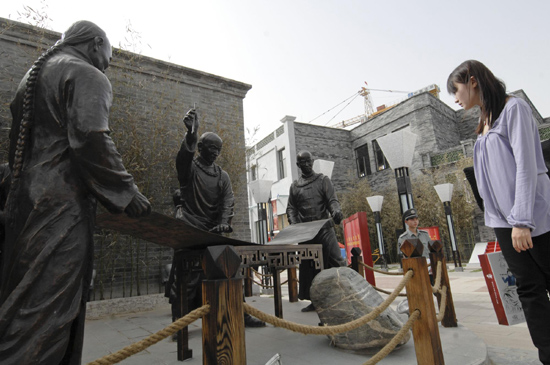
x=341 y=295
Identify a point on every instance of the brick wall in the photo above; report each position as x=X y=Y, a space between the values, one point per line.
x=330 y=144
x=150 y=100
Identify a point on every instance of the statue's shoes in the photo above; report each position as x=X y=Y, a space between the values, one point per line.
x=250 y=321
x=309 y=308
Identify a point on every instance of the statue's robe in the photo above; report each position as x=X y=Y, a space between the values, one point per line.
x=70 y=162
x=312 y=199
x=206 y=195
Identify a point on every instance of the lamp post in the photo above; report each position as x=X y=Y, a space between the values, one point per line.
x=375 y=203
x=324 y=167
x=398 y=148
x=445 y=193
x=261 y=192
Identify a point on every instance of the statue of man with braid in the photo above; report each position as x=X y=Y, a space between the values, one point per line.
x=62 y=161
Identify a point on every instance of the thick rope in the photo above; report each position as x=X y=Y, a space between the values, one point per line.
x=263 y=275
x=380 y=271
x=152 y=339
x=330 y=330
x=443 y=304
x=437 y=286
x=387 y=291
x=395 y=340
x=268 y=286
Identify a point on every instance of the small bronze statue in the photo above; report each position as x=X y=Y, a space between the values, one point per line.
x=205 y=199
x=312 y=198
x=62 y=162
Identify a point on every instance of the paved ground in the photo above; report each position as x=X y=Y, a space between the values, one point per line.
x=479 y=339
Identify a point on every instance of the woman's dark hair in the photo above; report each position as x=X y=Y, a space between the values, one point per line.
x=492 y=91
x=79 y=32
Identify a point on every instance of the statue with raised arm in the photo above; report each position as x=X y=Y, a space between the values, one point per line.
x=312 y=197
x=205 y=199
x=62 y=162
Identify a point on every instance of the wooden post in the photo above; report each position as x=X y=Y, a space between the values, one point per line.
x=356 y=258
x=248 y=282
x=436 y=254
x=223 y=340
x=292 y=285
x=277 y=292
x=427 y=343
x=182 y=278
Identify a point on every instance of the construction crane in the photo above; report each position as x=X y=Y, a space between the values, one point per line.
x=369 y=105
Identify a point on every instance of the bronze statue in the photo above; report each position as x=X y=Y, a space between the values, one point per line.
x=205 y=199
x=312 y=198
x=62 y=161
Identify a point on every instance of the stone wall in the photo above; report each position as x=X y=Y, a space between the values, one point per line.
x=331 y=144
x=150 y=100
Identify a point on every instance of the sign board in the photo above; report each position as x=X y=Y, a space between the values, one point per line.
x=502 y=288
x=356 y=234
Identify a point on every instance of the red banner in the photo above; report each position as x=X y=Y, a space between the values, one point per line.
x=433 y=232
x=356 y=233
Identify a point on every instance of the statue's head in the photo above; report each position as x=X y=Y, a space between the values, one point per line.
x=304 y=161
x=210 y=147
x=92 y=40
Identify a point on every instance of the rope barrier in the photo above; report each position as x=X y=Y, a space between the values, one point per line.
x=263 y=275
x=437 y=286
x=443 y=304
x=329 y=330
x=268 y=286
x=395 y=340
x=387 y=291
x=152 y=339
x=379 y=271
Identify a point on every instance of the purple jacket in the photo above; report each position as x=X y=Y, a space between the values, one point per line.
x=511 y=173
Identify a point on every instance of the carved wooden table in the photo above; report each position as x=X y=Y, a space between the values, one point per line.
x=291 y=246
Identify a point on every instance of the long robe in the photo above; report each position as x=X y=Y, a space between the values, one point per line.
x=69 y=162
x=311 y=199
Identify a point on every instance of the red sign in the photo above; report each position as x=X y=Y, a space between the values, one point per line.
x=433 y=232
x=356 y=233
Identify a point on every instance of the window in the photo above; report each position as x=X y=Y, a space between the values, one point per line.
x=281 y=163
x=381 y=162
x=254 y=173
x=363 y=162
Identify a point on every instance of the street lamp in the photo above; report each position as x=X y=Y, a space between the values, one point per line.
x=261 y=192
x=324 y=167
x=445 y=193
x=398 y=148
x=375 y=203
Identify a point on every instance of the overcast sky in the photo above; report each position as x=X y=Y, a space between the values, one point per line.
x=304 y=58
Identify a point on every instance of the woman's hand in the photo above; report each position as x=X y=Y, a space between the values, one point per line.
x=521 y=239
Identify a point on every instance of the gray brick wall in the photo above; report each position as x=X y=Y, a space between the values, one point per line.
x=150 y=99
x=331 y=144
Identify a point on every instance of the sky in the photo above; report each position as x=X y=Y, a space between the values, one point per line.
x=309 y=59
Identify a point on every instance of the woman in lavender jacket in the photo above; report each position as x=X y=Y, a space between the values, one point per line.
x=512 y=180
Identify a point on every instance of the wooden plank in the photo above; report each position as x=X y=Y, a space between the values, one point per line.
x=164 y=230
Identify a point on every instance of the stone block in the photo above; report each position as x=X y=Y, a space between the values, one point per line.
x=341 y=295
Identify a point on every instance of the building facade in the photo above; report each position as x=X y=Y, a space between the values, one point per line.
x=443 y=137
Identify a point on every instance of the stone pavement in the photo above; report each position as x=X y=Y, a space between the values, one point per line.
x=479 y=339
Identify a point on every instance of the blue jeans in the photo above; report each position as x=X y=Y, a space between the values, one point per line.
x=532 y=271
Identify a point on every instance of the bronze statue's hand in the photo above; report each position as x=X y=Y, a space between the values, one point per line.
x=138 y=207
x=191 y=120
x=337 y=217
x=221 y=228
